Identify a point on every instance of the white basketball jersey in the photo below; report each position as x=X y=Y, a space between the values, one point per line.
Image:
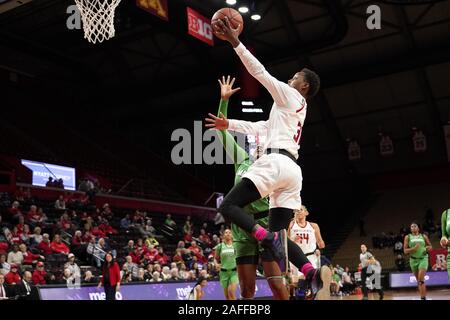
x=305 y=237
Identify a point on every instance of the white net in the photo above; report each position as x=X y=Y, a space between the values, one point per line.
x=98 y=18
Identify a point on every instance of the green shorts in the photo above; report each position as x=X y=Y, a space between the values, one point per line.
x=417 y=264
x=227 y=278
x=244 y=243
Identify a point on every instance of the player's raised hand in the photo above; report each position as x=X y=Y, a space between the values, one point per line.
x=226 y=88
x=227 y=32
x=216 y=122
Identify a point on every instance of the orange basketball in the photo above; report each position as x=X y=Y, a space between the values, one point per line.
x=234 y=17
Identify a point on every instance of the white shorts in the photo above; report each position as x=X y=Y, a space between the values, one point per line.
x=277 y=176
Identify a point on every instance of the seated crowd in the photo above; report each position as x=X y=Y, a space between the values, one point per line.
x=52 y=246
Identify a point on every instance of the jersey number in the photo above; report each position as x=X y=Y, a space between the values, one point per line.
x=303 y=236
x=298 y=135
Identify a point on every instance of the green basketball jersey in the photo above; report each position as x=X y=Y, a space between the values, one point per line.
x=418 y=239
x=227 y=255
x=260 y=205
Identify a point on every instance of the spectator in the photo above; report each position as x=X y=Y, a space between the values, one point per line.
x=64 y=222
x=15 y=256
x=89 y=278
x=111 y=277
x=398 y=247
x=156 y=277
x=169 y=221
x=14 y=212
x=148 y=273
x=78 y=245
x=58 y=246
x=149 y=230
x=188 y=236
x=5 y=290
x=106 y=228
x=129 y=247
x=125 y=222
x=45 y=246
x=140 y=276
x=166 y=273
x=39 y=274
x=5 y=267
x=107 y=212
x=25 y=288
x=36 y=237
x=50 y=182
x=25 y=235
x=13 y=276
x=174 y=276
x=29 y=257
x=347 y=283
x=73 y=267
x=204 y=237
x=151 y=241
x=131 y=266
x=183 y=273
x=187 y=225
x=400 y=262
x=215 y=240
x=125 y=275
x=161 y=257
x=68 y=278
x=60 y=204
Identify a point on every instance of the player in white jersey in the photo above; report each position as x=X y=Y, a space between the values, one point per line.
x=275 y=174
x=306 y=235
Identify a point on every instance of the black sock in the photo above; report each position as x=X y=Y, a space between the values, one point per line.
x=242 y=194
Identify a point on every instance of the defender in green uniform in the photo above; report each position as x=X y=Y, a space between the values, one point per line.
x=225 y=256
x=417 y=246
x=445 y=228
x=248 y=250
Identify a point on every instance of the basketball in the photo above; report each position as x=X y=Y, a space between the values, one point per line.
x=234 y=17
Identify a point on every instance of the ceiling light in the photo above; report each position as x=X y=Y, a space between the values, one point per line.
x=231 y=2
x=256 y=17
x=243 y=9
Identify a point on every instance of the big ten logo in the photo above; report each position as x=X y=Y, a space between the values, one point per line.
x=200 y=27
x=374 y=276
x=374 y=20
x=74 y=20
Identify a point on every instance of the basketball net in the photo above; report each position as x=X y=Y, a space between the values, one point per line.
x=98 y=18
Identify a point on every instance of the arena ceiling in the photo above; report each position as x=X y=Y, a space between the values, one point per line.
x=373 y=80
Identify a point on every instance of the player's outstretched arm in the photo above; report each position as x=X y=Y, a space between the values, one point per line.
x=231 y=147
x=278 y=89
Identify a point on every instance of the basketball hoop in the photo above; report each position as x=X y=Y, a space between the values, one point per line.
x=98 y=18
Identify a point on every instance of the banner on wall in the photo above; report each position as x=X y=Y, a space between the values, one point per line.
x=354 y=150
x=200 y=27
x=419 y=141
x=386 y=145
x=158 y=8
x=438 y=259
x=447 y=139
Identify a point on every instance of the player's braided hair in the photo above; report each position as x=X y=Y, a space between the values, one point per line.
x=313 y=80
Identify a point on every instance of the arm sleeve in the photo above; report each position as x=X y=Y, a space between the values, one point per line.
x=277 y=89
x=444 y=224
x=232 y=148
